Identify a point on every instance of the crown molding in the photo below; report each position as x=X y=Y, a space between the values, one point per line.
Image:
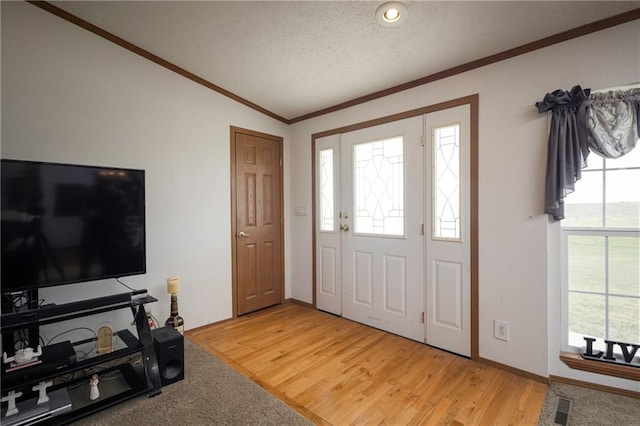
x=150 y=56
x=583 y=30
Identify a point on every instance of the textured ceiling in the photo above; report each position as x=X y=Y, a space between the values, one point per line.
x=297 y=57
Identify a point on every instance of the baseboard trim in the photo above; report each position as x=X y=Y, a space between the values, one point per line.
x=595 y=386
x=300 y=302
x=202 y=327
x=195 y=330
x=513 y=370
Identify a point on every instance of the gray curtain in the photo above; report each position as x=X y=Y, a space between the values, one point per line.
x=613 y=122
x=567 y=149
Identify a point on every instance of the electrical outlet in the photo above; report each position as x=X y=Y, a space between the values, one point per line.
x=501 y=330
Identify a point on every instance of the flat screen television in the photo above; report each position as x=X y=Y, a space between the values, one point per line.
x=63 y=223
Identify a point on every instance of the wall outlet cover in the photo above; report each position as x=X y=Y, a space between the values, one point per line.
x=501 y=330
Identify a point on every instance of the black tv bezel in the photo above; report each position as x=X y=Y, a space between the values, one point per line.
x=91 y=279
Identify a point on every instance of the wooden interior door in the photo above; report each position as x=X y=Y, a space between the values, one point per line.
x=257 y=220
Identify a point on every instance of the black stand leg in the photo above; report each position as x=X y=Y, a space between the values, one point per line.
x=149 y=359
x=29 y=336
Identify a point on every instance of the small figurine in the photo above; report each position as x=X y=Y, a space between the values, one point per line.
x=12 y=410
x=22 y=356
x=94 y=392
x=42 y=392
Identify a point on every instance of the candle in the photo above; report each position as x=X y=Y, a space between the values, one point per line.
x=173 y=285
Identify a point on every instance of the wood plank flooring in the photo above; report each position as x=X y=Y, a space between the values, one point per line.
x=335 y=371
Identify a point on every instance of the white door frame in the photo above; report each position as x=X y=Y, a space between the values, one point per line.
x=473 y=102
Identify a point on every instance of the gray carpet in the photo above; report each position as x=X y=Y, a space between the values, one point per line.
x=590 y=407
x=212 y=393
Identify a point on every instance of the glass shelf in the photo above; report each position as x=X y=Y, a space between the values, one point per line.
x=126 y=344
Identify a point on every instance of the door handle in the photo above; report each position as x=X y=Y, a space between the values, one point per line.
x=344 y=227
x=243 y=234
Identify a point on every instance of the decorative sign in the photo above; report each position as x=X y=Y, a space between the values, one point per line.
x=105 y=339
x=628 y=350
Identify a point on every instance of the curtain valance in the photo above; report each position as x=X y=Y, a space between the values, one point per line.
x=606 y=123
x=612 y=122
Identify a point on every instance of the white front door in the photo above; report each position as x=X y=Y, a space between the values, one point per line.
x=382 y=205
x=392 y=227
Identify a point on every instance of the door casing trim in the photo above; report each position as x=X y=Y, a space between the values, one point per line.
x=233 y=189
x=473 y=102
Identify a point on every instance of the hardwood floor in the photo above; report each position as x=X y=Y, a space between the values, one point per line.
x=335 y=371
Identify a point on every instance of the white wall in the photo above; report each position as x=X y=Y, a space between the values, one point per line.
x=70 y=96
x=512 y=227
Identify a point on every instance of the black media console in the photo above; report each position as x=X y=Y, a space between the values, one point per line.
x=70 y=374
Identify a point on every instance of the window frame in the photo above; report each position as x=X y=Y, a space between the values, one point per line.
x=600 y=231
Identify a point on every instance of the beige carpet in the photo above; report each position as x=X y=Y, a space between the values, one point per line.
x=590 y=407
x=212 y=393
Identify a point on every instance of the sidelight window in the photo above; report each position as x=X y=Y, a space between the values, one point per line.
x=326 y=190
x=446 y=183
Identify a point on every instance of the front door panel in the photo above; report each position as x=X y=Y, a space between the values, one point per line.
x=328 y=234
x=448 y=247
x=382 y=250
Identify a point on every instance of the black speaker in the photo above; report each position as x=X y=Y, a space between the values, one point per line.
x=169 y=346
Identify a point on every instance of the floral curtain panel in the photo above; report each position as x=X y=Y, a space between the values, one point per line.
x=606 y=123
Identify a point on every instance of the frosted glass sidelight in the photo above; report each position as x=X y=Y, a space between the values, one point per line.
x=379 y=187
x=326 y=190
x=446 y=181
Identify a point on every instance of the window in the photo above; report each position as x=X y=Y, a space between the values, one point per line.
x=446 y=183
x=601 y=253
x=325 y=159
x=379 y=187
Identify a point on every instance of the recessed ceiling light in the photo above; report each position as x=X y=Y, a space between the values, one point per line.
x=391 y=13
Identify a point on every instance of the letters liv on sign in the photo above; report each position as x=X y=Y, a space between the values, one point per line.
x=628 y=352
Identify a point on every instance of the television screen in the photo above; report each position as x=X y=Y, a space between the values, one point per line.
x=64 y=223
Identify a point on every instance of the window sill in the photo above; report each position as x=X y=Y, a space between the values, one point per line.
x=575 y=361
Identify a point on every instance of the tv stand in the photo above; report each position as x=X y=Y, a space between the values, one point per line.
x=59 y=363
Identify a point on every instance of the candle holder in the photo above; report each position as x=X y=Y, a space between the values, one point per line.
x=174 y=320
